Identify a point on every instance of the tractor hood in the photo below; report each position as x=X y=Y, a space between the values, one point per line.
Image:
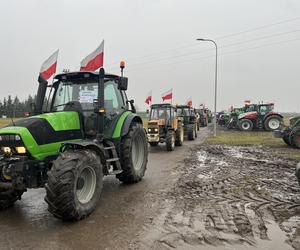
x=42 y=135
x=248 y=115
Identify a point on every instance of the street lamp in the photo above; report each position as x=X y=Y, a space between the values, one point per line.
x=216 y=82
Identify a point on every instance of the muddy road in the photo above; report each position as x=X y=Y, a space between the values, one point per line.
x=123 y=214
x=235 y=197
x=196 y=197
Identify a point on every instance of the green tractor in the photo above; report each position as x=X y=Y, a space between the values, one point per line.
x=90 y=130
x=290 y=134
x=188 y=116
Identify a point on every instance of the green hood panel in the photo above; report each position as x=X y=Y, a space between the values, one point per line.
x=61 y=120
x=44 y=134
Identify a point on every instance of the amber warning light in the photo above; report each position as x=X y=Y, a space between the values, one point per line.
x=122 y=64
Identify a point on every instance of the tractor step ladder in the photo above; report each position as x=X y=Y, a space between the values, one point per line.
x=260 y=124
x=112 y=160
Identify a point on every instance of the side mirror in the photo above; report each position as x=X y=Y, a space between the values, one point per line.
x=122 y=83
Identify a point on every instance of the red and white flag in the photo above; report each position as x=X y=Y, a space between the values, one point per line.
x=149 y=98
x=247 y=101
x=189 y=102
x=94 y=60
x=48 y=68
x=167 y=95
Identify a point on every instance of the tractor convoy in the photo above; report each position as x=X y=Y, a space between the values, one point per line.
x=86 y=129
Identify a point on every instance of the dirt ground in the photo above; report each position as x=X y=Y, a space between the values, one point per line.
x=196 y=197
x=237 y=197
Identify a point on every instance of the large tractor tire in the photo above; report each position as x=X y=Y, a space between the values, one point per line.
x=191 y=133
x=74 y=185
x=273 y=122
x=245 y=125
x=179 y=136
x=9 y=197
x=170 y=140
x=297 y=173
x=134 y=155
x=295 y=137
x=153 y=143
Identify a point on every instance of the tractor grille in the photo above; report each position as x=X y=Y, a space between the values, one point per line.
x=10 y=140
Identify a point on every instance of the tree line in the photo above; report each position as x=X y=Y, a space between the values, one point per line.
x=14 y=107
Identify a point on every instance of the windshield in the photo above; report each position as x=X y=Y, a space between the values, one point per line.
x=183 y=112
x=85 y=94
x=159 y=113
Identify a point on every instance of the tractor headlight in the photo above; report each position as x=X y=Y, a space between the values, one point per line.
x=155 y=130
x=21 y=150
x=6 y=150
x=149 y=130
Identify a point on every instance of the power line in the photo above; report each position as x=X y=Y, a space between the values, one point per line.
x=221 y=47
x=189 y=45
x=220 y=54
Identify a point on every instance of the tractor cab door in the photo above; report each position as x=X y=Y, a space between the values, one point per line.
x=115 y=103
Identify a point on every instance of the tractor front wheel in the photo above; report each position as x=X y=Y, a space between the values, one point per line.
x=74 y=185
x=9 y=197
x=170 y=140
x=134 y=155
x=273 y=122
x=295 y=137
x=179 y=136
x=245 y=125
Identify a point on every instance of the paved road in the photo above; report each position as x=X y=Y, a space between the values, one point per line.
x=123 y=212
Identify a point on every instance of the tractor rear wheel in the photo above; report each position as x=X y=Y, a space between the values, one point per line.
x=9 y=197
x=134 y=155
x=245 y=125
x=179 y=136
x=74 y=185
x=170 y=140
x=273 y=122
x=153 y=143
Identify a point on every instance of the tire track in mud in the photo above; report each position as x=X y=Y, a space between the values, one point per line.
x=232 y=196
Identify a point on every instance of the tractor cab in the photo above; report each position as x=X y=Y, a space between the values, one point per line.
x=78 y=92
x=189 y=120
x=164 y=126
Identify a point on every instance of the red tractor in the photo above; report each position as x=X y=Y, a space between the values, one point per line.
x=261 y=117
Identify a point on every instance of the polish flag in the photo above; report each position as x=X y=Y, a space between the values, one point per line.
x=48 y=68
x=94 y=60
x=189 y=102
x=149 y=98
x=167 y=95
x=247 y=101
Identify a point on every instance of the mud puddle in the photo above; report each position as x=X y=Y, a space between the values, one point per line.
x=230 y=197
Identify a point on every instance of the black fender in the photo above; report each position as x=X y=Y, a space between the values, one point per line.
x=86 y=144
x=273 y=114
x=131 y=118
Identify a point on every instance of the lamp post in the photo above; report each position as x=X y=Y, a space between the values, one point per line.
x=216 y=81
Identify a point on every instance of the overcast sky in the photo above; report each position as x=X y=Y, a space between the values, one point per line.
x=157 y=40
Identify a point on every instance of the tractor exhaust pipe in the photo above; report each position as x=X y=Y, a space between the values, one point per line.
x=101 y=108
x=40 y=97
